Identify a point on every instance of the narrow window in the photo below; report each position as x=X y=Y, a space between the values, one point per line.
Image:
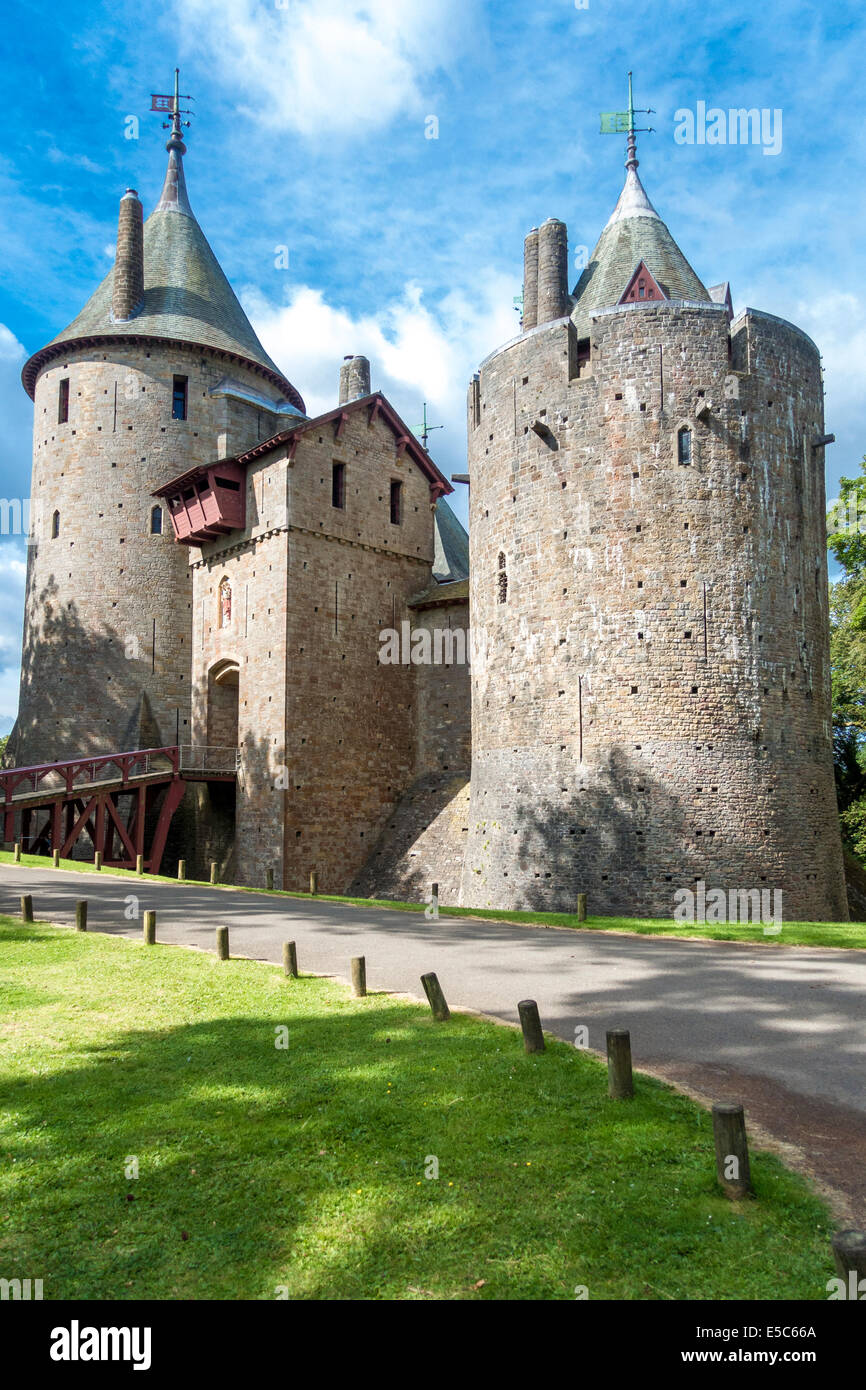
x=63 y=402
x=156 y=521
x=396 y=502
x=55 y=526
x=338 y=486
x=225 y=602
x=642 y=290
x=178 y=398
x=684 y=447
x=502 y=579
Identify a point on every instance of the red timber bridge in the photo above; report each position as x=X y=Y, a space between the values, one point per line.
x=119 y=805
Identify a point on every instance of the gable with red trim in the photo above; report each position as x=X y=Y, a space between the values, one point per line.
x=642 y=287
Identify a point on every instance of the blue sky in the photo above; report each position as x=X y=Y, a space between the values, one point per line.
x=309 y=133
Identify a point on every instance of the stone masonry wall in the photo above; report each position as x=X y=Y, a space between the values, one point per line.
x=654 y=705
x=108 y=618
x=328 y=733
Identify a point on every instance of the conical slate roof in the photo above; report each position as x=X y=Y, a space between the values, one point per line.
x=450 y=545
x=634 y=233
x=187 y=298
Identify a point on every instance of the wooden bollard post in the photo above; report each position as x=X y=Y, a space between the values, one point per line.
x=55 y=858
x=314 y=883
x=620 y=1085
x=26 y=908
x=732 y=1151
x=150 y=928
x=17 y=851
x=139 y=863
x=222 y=942
x=81 y=915
x=533 y=1038
x=269 y=880
x=359 y=976
x=581 y=907
x=849 y=1253
x=213 y=869
x=181 y=869
x=97 y=859
x=290 y=959
x=436 y=998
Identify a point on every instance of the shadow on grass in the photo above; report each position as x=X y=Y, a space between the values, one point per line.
x=304 y=1167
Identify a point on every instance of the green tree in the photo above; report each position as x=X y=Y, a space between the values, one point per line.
x=846 y=541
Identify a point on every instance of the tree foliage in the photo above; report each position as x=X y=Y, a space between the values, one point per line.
x=846 y=541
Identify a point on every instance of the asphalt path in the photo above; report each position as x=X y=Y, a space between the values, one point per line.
x=782 y=1029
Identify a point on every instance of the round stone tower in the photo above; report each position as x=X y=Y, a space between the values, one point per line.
x=161 y=371
x=650 y=684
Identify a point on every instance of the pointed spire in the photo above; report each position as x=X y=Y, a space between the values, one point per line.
x=634 y=235
x=174 y=196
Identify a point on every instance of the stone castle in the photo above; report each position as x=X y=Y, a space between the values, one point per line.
x=649 y=697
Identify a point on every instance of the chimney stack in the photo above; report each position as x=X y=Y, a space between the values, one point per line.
x=552 y=270
x=529 y=317
x=354 y=378
x=128 y=287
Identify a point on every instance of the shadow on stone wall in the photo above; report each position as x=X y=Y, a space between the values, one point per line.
x=422 y=842
x=84 y=691
x=600 y=843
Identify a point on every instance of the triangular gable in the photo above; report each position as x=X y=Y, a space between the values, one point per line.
x=376 y=407
x=721 y=294
x=642 y=287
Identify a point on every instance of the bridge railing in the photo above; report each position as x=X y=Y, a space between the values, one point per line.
x=196 y=757
x=77 y=772
x=142 y=762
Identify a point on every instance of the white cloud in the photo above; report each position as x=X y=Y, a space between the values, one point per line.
x=10 y=348
x=415 y=353
x=835 y=320
x=16 y=412
x=13 y=568
x=325 y=66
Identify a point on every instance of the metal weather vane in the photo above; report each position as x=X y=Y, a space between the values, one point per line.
x=622 y=122
x=170 y=105
x=424 y=429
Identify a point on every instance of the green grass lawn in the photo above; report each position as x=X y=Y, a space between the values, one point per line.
x=303 y=1168
x=839 y=934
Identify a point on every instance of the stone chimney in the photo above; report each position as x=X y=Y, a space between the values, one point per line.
x=354 y=379
x=530 y=281
x=552 y=270
x=128 y=288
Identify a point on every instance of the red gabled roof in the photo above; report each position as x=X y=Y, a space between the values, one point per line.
x=642 y=277
x=378 y=408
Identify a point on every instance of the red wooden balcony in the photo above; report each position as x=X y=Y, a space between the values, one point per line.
x=206 y=502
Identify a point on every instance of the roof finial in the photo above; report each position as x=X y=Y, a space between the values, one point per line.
x=631 y=149
x=612 y=122
x=174 y=197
